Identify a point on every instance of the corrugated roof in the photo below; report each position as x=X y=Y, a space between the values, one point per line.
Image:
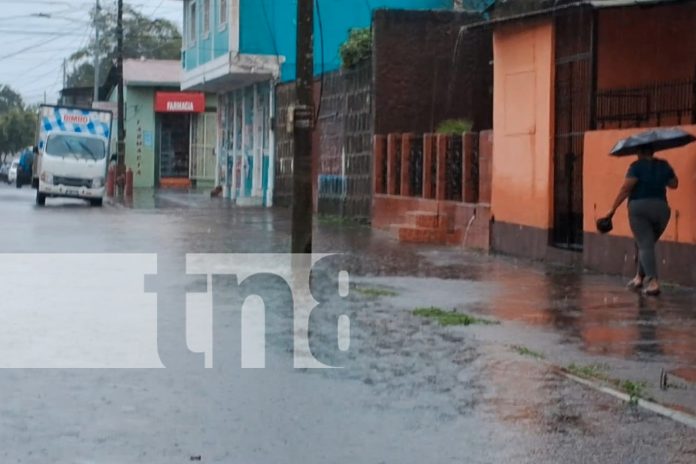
x=152 y=72
x=510 y=10
x=616 y=3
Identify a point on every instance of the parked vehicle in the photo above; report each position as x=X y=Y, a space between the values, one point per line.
x=12 y=173
x=4 y=169
x=24 y=169
x=73 y=153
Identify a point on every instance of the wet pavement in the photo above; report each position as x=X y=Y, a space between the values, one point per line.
x=411 y=390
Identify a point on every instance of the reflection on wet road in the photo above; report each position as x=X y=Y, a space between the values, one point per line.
x=411 y=391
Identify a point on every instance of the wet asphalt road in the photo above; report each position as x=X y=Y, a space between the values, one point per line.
x=411 y=391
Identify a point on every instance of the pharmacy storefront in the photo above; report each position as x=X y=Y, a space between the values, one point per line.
x=186 y=131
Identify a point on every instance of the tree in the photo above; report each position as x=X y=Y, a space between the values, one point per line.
x=17 y=122
x=17 y=130
x=9 y=99
x=142 y=38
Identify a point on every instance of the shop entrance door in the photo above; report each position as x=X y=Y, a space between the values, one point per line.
x=174 y=149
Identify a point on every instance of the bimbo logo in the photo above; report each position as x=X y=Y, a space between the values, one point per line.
x=76 y=118
x=179 y=106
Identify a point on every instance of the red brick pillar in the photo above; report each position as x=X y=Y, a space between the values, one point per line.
x=379 y=148
x=469 y=188
x=406 y=141
x=392 y=140
x=485 y=166
x=441 y=181
x=427 y=163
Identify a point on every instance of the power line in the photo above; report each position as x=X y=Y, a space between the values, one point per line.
x=157 y=8
x=36 y=44
x=34 y=32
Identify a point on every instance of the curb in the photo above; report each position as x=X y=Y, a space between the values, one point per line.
x=113 y=203
x=678 y=416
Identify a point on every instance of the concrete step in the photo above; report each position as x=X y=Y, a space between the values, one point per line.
x=426 y=219
x=408 y=233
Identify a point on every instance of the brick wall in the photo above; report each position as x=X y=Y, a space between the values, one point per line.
x=342 y=158
x=423 y=70
x=345 y=133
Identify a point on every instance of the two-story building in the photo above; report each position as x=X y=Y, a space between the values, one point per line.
x=240 y=50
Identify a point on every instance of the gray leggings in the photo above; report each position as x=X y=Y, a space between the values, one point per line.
x=648 y=219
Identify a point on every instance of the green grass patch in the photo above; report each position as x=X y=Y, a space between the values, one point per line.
x=588 y=371
x=447 y=318
x=524 y=351
x=454 y=126
x=375 y=292
x=634 y=390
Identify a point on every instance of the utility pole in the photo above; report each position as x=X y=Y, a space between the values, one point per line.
x=121 y=171
x=65 y=72
x=96 y=52
x=303 y=121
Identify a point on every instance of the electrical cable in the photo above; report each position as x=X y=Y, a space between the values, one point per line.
x=271 y=32
x=321 y=42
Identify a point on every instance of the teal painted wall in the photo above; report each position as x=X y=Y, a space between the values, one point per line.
x=141 y=135
x=208 y=46
x=268 y=27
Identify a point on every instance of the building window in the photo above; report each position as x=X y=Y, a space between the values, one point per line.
x=192 y=24
x=206 y=17
x=222 y=19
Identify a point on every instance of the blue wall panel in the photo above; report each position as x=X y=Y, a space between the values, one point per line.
x=268 y=27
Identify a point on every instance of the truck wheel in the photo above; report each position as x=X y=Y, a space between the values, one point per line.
x=98 y=202
x=40 y=198
x=19 y=183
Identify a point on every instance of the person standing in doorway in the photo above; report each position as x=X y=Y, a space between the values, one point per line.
x=645 y=187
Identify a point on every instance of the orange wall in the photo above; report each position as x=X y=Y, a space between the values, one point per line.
x=604 y=174
x=522 y=121
x=638 y=46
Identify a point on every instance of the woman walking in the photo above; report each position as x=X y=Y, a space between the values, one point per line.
x=645 y=187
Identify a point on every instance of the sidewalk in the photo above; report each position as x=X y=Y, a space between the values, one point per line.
x=586 y=323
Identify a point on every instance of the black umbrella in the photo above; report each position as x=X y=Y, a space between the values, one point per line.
x=655 y=140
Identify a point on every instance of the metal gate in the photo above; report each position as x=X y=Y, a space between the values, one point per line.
x=202 y=162
x=574 y=90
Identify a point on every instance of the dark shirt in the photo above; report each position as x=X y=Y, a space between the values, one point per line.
x=653 y=175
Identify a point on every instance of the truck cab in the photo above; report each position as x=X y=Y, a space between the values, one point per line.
x=72 y=165
x=72 y=158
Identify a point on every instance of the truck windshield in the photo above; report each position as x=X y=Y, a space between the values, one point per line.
x=75 y=146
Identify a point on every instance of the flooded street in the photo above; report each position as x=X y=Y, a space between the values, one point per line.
x=411 y=390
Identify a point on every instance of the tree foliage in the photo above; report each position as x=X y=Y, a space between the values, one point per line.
x=357 y=47
x=17 y=122
x=142 y=38
x=17 y=130
x=9 y=99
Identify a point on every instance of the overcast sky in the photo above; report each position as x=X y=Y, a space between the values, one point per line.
x=32 y=49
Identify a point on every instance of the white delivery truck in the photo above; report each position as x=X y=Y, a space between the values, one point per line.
x=73 y=153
